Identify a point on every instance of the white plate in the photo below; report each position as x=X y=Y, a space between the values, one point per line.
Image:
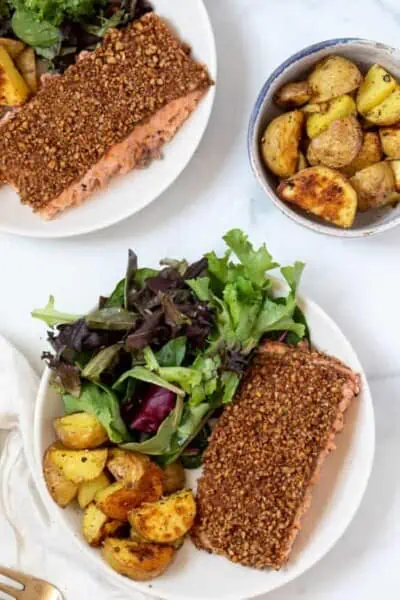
x=196 y=575
x=130 y=193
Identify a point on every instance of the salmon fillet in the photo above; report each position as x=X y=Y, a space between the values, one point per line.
x=110 y=112
x=266 y=452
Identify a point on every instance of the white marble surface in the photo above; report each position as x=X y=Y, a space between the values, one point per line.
x=356 y=282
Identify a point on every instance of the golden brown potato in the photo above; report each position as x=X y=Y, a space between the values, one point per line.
x=165 y=521
x=370 y=153
x=334 y=76
x=127 y=466
x=377 y=85
x=390 y=140
x=395 y=166
x=315 y=108
x=387 y=112
x=375 y=186
x=339 y=108
x=13 y=47
x=116 y=501
x=88 y=489
x=93 y=525
x=13 y=89
x=80 y=431
x=338 y=145
x=322 y=192
x=280 y=143
x=139 y=562
x=61 y=489
x=26 y=65
x=78 y=465
x=173 y=478
x=116 y=528
x=292 y=95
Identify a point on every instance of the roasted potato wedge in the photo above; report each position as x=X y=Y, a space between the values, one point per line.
x=387 y=112
x=322 y=192
x=395 y=166
x=79 y=465
x=338 y=145
x=302 y=162
x=80 y=431
x=127 y=466
x=140 y=562
x=315 y=108
x=280 y=143
x=339 y=108
x=376 y=87
x=375 y=186
x=165 y=521
x=13 y=89
x=88 y=489
x=93 y=524
x=334 y=76
x=116 y=501
x=61 y=489
x=370 y=153
x=293 y=95
x=390 y=140
x=26 y=65
x=13 y=47
x=173 y=478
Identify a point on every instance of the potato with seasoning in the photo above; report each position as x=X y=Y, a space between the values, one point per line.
x=167 y=520
x=280 y=143
x=323 y=192
x=116 y=500
x=60 y=488
x=93 y=525
x=13 y=89
x=370 y=153
x=80 y=431
x=339 y=108
x=78 y=465
x=390 y=140
x=302 y=162
x=375 y=186
x=376 y=87
x=387 y=112
x=26 y=64
x=140 y=562
x=293 y=95
x=13 y=47
x=338 y=145
x=395 y=166
x=173 y=477
x=334 y=76
x=88 y=489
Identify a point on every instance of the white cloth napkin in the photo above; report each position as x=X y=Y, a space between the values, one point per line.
x=29 y=541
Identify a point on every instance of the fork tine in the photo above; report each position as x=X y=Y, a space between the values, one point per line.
x=15 y=575
x=11 y=591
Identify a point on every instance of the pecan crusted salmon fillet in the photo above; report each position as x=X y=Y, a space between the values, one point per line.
x=266 y=452
x=110 y=112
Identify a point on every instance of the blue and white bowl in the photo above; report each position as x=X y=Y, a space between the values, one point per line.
x=364 y=53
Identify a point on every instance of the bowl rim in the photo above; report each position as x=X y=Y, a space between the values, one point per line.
x=252 y=142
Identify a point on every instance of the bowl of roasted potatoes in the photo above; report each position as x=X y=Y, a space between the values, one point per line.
x=324 y=137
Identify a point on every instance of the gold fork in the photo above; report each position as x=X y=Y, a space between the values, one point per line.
x=33 y=589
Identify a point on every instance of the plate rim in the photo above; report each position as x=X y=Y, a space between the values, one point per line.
x=78 y=230
x=126 y=584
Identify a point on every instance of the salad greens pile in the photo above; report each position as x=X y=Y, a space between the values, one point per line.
x=59 y=29
x=162 y=355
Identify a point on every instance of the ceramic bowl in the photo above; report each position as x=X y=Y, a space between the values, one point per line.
x=364 y=53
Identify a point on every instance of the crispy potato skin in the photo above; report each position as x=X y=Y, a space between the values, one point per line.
x=61 y=489
x=338 y=145
x=13 y=47
x=370 y=153
x=390 y=140
x=340 y=107
x=280 y=143
x=127 y=466
x=395 y=166
x=173 y=478
x=13 y=89
x=79 y=465
x=315 y=108
x=140 y=562
x=375 y=186
x=333 y=77
x=26 y=64
x=322 y=192
x=387 y=112
x=376 y=87
x=93 y=524
x=293 y=95
x=167 y=520
x=88 y=489
x=80 y=431
x=118 y=500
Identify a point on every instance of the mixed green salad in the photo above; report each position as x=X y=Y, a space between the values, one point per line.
x=158 y=359
x=58 y=30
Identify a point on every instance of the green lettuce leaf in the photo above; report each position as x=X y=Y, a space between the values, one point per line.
x=53 y=317
x=173 y=353
x=255 y=262
x=142 y=374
